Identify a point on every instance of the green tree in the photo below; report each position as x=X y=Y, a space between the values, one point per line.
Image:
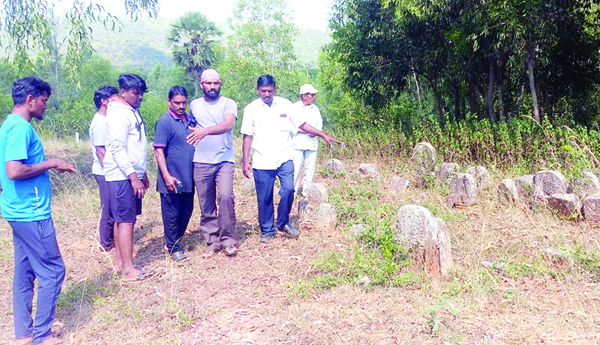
x=192 y=38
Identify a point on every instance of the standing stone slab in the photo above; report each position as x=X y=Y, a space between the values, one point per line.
x=563 y=204
x=447 y=170
x=584 y=185
x=326 y=218
x=481 y=175
x=424 y=158
x=416 y=227
x=546 y=183
x=507 y=192
x=591 y=208
x=524 y=186
x=463 y=190
x=317 y=194
x=335 y=166
x=369 y=171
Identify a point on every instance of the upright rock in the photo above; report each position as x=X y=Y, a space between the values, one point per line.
x=335 y=166
x=463 y=190
x=546 y=183
x=369 y=171
x=317 y=194
x=507 y=192
x=481 y=175
x=584 y=185
x=447 y=170
x=591 y=208
x=326 y=218
x=398 y=184
x=416 y=227
x=524 y=186
x=424 y=158
x=565 y=205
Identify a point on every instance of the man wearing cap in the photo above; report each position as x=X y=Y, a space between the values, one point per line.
x=268 y=128
x=175 y=181
x=215 y=116
x=306 y=144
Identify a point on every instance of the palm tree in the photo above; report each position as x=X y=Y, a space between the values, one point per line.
x=192 y=37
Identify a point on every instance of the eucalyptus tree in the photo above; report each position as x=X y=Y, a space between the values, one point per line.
x=192 y=38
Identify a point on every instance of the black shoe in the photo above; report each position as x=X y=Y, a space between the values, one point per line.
x=290 y=231
x=266 y=238
x=178 y=256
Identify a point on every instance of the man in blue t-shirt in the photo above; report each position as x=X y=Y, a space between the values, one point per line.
x=25 y=204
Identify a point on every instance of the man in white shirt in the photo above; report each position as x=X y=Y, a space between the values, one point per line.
x=305 y=144
x=98 y=139
x=125 y=168
x=268 y=128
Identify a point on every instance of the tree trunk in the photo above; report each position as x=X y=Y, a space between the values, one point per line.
x=196 y=82
x=534 y=101
x=490 y=93
x=500 y=82
x=519 y=98
x=419 y=95
x=457 y=114
x=472 y=93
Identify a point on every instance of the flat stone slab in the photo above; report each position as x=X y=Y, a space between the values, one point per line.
x=563 y=204
x=463 y=190
x=507 y=191
x=481 y=175
x=591 y=208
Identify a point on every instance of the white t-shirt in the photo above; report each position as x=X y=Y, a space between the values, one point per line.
x=306 y=114
x=213 y=149
x=271 y=129
x=98 y=138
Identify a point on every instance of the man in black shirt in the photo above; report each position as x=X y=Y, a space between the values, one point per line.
x=175 y=170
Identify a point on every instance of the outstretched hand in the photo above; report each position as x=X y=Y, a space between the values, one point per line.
x=63 y=166
x=329 y=139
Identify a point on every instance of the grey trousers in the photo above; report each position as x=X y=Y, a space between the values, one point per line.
x=214 y=185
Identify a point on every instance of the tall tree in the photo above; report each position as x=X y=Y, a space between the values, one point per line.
x=192 y=38
x=26 y=27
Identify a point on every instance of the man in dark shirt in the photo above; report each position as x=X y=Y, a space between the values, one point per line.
x=175 y=170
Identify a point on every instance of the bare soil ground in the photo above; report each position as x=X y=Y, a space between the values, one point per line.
x=267 y=294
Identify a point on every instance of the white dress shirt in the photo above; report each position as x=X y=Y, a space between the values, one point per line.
x=306 y=114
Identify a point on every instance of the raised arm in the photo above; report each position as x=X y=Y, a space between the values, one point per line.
x=311 y=130
x=199 y=133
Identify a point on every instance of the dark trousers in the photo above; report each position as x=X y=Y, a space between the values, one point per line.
x=176 y=212
x=264 y=181
x=214 y=183
x=36 y=257
x=106 y=226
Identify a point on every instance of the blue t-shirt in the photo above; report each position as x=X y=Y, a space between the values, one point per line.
x=25 y=200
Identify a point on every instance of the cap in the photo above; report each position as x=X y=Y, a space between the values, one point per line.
x=209 y=74
x=307 y=88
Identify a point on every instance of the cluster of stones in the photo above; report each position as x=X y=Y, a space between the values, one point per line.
x=549 y=189
x=464 y=187
x=316 y=210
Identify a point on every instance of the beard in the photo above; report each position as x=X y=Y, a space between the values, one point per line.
x=212 y=94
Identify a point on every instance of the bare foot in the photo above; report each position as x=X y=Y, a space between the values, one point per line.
x=24 y=341
x=52 y=341
x=132 y=275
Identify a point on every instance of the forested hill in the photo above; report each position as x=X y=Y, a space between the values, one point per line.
x=143 y=43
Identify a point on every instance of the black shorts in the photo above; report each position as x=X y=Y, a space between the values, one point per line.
x=124 y=205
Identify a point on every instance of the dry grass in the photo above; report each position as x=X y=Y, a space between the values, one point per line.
x=270 y=294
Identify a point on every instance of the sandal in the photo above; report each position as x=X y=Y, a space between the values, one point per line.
x=230 y=250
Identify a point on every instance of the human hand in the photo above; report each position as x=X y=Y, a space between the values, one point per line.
x=247 y=168
x=198 y=133
x=62 y=166
x=146 y=181
x=139 y=189
x=329 y=139
x=171 y=183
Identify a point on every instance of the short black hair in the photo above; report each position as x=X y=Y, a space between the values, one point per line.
x=265 y=80
x=104 y=92
x=132 y=82
x=29 y=86
x=177 y=90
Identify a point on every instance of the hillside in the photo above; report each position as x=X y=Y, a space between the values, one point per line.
x=142 y=44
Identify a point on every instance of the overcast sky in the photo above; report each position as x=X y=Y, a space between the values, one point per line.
x=308 y=14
